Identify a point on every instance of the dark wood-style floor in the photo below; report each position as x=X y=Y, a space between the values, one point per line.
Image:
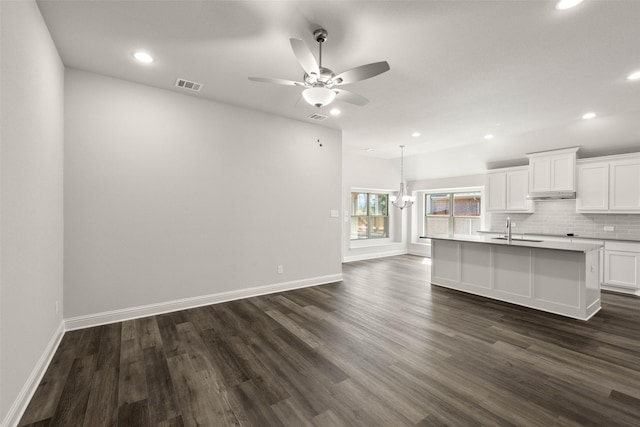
x=381 y=348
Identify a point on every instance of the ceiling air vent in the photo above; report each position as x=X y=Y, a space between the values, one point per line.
x=318 y=117
x=186 y=84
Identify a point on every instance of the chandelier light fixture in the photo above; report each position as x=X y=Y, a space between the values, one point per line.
x=402 y=199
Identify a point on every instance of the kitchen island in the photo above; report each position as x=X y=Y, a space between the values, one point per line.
x=557 y=277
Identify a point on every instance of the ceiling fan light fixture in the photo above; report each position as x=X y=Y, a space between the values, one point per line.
x=318 y=96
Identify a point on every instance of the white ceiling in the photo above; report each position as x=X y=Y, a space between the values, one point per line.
x=520 y=70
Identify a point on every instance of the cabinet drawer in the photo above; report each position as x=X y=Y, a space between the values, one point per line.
x=622 y=246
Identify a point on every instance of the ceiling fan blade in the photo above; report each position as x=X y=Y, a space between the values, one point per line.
x=361 y=73
x=305 y=57
x=350 y=97
x=276 y=81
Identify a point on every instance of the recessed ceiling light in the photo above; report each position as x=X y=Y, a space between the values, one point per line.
x=368 y=150
x=335 y=112
x=415 y=134
x=567 y=4
x=587 y=116
x=143 y=57
x=634 y=76
x=488 y=136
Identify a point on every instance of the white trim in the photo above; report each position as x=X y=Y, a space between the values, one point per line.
x=568 y=150
x=24 y=397
x=113 y=316
x=607 y=158
x=370 y=243
x=370 y=190
x=423 y=250
x=620 y=290
x=365 y=256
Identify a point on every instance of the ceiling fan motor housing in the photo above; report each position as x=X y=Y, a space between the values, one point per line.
x=320 y=35
x=324 y=79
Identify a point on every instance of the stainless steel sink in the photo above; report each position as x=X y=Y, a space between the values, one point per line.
x=518 y=240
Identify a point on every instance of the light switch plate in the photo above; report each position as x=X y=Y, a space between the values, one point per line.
x=335 y=213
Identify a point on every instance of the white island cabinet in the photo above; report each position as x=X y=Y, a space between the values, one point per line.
x=557 y=277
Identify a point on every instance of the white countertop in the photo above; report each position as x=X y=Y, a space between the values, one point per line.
x=561 y=246
x=529 y=235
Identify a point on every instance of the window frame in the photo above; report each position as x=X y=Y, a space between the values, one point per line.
x=451 y=193
x=369 y=217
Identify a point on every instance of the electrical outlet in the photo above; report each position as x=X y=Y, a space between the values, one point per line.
x=609 y=228
x=280 y=269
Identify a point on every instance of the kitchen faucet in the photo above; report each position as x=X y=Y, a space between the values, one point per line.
x=508 y=229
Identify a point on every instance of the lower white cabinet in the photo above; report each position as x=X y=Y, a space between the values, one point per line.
x=622 y=266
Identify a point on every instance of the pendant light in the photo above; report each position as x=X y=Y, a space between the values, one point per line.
x=402 y=199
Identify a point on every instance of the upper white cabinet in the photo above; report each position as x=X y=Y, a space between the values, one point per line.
x=496 y=191
x=552 y=170
x=507 y=190
x=592 y=194
x=609 y=184
x=624 y=186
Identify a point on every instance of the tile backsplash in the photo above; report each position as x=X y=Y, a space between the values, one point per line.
x=560 y=217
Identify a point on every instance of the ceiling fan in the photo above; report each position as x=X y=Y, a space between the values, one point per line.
x=320 y=82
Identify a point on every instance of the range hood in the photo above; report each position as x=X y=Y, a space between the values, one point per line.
x=552 y=195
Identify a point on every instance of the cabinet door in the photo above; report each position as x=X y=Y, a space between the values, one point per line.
x=497 y=187
x=593 y=187
x=517 y=190
x=624 y=186
x=540 y=174
x=621 y=269
x=562 y=172
x=601 y=264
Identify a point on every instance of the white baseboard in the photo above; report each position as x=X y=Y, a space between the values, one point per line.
x=120 y=315
x=425 y=252
x=362 y=257
x=24 y=397
x=619 y=290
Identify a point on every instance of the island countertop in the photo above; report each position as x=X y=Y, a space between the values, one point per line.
x=599 y=236
x=561 y=246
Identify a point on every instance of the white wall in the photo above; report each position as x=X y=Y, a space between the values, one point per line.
x=169 y=196
x=367 y=173
x=416 y=246
x=31 y=224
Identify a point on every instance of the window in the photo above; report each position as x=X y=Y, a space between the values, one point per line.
x=452 y=213
x=369 y=216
